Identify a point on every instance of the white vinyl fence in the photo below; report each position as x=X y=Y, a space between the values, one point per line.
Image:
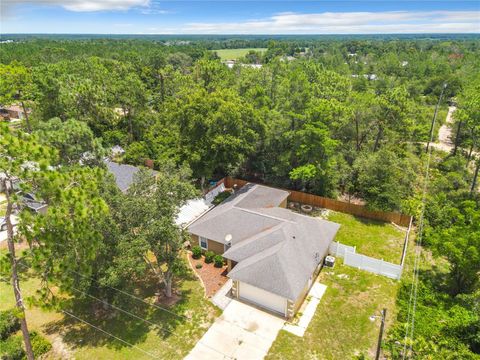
x=376 y=266
x=214 y=192
x=339 y=249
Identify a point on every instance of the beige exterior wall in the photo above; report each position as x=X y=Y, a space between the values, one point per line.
x=216 y=247
x=294 y=306
x=193 y=240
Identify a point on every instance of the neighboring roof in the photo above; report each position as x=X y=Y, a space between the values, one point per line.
x=123 y=174
x=276 y=249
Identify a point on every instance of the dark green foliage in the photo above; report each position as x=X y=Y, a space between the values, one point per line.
x=320 y=123
x=12 y=348
x=198 y=266
x=209 y=256
x=220 y=197
x=40 y=345
x=196 y=252
x=218 y=261
x=9 y=323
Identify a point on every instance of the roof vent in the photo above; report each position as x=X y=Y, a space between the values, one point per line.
x=317 y=256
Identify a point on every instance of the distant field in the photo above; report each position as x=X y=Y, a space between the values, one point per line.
x=233 y=54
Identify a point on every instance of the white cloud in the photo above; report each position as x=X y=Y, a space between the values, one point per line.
x=81 y=5
x=348 y=23
x=98 y=5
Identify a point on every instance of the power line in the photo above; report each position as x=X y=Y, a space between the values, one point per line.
x=125 y=293
x=132 y=296
x=412 y=302
x=142 y=319
x=109 y=334
x=138 y=317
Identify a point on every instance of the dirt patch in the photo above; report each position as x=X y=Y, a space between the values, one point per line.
x=162 y=299
x=212 y=278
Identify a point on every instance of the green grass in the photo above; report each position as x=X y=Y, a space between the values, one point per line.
x=341 y=328
x=377 y=239
x=234 y=54
x=173 y=339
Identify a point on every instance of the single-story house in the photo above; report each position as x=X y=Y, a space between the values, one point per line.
x=12 y=112
x=273 y=254
x=123 y=174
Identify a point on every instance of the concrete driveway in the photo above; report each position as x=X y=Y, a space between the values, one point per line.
x=242 y=332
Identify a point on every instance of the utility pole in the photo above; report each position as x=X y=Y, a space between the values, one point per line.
x=430 y=137
x=380 y=335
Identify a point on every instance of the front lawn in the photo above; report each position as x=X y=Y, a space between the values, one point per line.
x=380 y=240
x=69 y=337
x=341 y=328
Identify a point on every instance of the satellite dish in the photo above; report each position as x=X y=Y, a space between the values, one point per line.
x=228 y=237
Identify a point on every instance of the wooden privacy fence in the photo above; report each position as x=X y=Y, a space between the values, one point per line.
x=336 y=205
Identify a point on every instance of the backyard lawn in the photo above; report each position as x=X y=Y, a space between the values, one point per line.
x=172 y=339
x=341 y=328
x=373 y=238
x=234 y=54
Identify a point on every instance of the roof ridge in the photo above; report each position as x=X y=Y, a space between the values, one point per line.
x=262 y=214
x=255 y=237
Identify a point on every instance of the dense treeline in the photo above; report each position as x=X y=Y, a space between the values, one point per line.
x=336 y=118
x=318 y=123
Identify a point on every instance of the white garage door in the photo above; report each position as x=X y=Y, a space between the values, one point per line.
x=263 y=298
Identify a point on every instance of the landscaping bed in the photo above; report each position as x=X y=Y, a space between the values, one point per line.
x=213 y=278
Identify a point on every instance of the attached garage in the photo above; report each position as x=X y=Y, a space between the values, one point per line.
x=262 y=298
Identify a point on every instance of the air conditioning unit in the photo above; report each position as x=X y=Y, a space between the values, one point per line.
x=329 y=261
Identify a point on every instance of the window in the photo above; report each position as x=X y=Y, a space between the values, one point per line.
x=203 y=243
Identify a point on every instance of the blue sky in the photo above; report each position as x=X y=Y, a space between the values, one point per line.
x=239 y=17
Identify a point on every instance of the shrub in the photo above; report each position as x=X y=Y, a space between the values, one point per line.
x=40 y=345
x=12 y=348
x=218 y=259
x=198 y=266
x=209 y=255
x=196 y=252
x=9 y=323
x=220 y=197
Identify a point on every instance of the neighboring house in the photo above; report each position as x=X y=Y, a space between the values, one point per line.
x=124 y=174
x=273 y=254
x=124 y=177
x=117 y=150
x=12 y=112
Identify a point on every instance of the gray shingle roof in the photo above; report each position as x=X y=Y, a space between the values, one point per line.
x=276 y=249
x=123 y=174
